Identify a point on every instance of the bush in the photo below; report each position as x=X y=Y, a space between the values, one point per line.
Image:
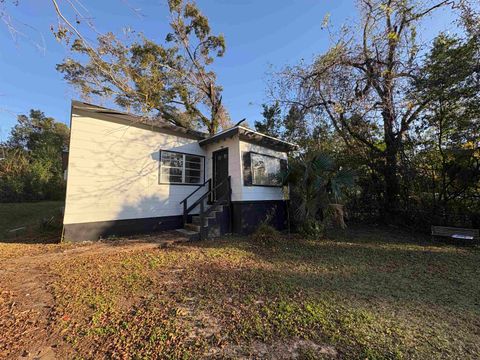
x=312 y=229
x=266 y=234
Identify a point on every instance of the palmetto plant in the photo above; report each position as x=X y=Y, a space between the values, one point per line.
x=316 y=185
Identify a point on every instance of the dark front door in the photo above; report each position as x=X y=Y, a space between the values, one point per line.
x=220 y=173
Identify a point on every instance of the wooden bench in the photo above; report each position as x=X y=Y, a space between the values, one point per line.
x=458 y=234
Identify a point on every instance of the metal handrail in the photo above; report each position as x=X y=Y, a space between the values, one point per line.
x=201 y=198
x=186 y=210
x=199 y=187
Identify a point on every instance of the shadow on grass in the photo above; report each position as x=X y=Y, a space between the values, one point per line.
x=391 y=271
x=31 y=222
x=32 y=237
x=350 y=304
x=370 y=287
x=162 y=238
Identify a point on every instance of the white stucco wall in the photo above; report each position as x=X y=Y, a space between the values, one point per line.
x=234 y=163
x=253 y=193
x=240 y=192
x=113 y=171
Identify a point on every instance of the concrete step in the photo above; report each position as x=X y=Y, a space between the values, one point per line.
x=190 y=235
x=208 y=220
x=218 y=207
x=210 y=228
x=192 y=227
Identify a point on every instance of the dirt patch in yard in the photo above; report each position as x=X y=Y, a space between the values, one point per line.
x=27 y=304
x=280 y=350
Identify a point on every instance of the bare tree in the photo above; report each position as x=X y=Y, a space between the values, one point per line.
x=362 y=83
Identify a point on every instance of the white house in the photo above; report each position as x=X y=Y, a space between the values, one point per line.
x=128 y=177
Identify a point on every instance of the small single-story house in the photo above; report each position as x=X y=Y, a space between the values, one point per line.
x=127 y=177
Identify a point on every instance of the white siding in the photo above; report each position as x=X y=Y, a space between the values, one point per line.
x=234 y=163
x=113 y=171
x=251 y=193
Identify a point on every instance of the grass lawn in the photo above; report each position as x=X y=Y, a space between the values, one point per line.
x=30 y=215
x=364 y=294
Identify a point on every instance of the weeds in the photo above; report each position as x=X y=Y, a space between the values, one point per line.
x=366 y=294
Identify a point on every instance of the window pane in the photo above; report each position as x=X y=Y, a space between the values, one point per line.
x=192 y=180
x=166 y=177
x=171 y=166
x=265 y=170
x=173 y=163
x=181 y=168
x=172 y=159
x=193 y=169
x=193 y=162
x=174 y=179
x=171 y=175
x=172 y=171
x=189 y=172
x=192 y=165
x=195 y=159
x=192 y=176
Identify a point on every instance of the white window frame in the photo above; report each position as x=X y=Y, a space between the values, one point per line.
x=183 y=168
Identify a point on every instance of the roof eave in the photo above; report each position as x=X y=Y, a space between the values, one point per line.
x=249 y=135
x=266 y=140
x=136 y=120
x=220 y=136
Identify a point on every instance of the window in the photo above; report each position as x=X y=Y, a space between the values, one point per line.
x=265 y=170
x=178 y=168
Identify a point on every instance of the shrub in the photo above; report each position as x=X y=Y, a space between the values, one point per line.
x=312 y=229
x=316 y=188
x=266 y=234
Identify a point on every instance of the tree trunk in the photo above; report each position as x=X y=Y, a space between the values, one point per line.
x=392 y=183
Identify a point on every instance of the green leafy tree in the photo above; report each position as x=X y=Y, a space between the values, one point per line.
x=295 y=125
x=451 y=151
x=271 y=122
x=173 y=82
x=32 y=168
x=38 y=133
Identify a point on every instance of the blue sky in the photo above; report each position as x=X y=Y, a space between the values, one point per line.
x=259 y=34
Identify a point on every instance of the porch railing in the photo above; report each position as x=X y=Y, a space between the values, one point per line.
x=224 y=199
